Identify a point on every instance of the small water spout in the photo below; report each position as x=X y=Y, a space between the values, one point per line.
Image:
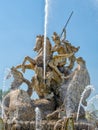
x=38 y=118
x=89 y=87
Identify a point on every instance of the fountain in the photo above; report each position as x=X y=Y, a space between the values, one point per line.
x=62 y=88
x=62 y=92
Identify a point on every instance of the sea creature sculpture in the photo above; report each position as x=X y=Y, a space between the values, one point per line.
x=79 y=80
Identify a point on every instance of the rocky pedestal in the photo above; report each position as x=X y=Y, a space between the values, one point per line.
x=17 y=105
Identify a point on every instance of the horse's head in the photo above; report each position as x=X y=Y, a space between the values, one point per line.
x=38 y=44
x=40 y=39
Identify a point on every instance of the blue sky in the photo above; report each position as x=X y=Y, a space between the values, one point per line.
x=22 y=20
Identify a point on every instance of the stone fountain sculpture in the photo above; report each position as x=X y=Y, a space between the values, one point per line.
x=59 y=92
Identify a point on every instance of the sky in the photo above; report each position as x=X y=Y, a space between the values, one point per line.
x=22 y=20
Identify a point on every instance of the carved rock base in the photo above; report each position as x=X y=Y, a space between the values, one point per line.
x=45 y=125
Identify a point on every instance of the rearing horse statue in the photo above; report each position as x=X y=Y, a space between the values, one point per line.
x=39 y=47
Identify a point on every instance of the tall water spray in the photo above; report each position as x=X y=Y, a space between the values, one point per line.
x=38 y=118
x=89 y=87
x=45 y=34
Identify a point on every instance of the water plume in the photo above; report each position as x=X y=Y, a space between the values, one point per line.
x=89 y=87
x=92 y=99
x=92 y=103
x=45 y=33
x=7 y=75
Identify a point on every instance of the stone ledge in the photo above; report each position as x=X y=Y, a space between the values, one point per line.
x=45 y=125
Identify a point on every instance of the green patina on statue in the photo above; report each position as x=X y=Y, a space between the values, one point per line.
x=1 y=124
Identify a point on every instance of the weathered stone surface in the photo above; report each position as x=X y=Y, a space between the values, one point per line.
x=72 y=90
x=17 y=105
x=84 y=126
x=48 y=125
x=46 y=107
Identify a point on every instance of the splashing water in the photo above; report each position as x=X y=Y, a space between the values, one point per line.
x=45 y=34
x=92 y=104
x=38 y=118
x=7 y=75
x=92 y=99
x=92 y=110
x=89 y=87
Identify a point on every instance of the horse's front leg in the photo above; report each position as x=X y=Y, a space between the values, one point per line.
x=23 y=64
x=23 y=67
x=32 y=62
x=27 y=58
